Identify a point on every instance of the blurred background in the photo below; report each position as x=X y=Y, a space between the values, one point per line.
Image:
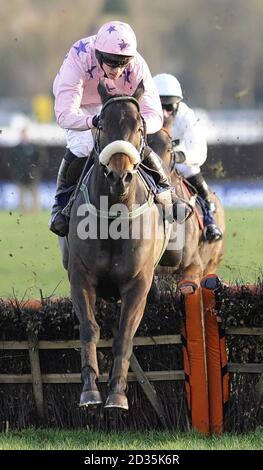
x=214 y=48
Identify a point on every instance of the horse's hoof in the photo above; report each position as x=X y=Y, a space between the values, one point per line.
x=117 y=400
x=90 y=397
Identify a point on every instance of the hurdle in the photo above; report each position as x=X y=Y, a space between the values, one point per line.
x=205 y=357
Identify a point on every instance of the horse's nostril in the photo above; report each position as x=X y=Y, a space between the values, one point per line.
x=128 y=177
x=111 y=177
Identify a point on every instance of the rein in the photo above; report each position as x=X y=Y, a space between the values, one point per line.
x=166 y=132
x=115 y=99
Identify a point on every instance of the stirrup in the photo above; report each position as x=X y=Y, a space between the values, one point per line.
x=187 y=211
x=188 y=207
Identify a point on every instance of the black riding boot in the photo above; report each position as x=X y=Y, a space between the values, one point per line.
x=168 y=196
x=58 y=222
x=212 y=231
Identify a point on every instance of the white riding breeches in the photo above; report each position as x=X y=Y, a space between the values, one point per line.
x=81 y=143
x=187 y=170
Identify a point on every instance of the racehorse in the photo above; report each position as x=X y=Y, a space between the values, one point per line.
x=199 y=258
x=113 y=198
x=100 y=262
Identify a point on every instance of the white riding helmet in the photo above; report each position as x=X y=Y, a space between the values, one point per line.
x=168 y=87
x=116 y=38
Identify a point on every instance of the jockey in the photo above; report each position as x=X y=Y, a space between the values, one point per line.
x=110 y=55
x=190 y=145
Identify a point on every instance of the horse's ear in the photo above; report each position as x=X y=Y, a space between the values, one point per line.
x=102 y=90
x=139 y=91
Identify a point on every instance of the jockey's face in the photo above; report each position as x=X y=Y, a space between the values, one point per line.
x=170 y=109
x=113 y=72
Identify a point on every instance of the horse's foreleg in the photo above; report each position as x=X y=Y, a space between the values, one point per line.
x=133 y=296
x=193 y=272
x=84 y=298
x=215 y=258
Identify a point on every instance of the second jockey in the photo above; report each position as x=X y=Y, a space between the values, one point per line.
x=190 y=145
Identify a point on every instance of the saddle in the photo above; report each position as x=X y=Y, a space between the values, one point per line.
x=150 y=178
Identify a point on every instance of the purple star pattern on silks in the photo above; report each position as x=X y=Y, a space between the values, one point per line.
x=111 y=28
x=109 y=89
x=81 y=47
x=123 y=44
x=127 y=74
x=90 y=71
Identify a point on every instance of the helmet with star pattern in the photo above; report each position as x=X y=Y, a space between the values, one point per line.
x=115 y=43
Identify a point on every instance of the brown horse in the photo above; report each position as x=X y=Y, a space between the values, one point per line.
x=199 y=258
x=116 y=237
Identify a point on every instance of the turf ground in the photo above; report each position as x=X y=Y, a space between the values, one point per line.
x=47 y=439
x=30 y=256
x=30 y=261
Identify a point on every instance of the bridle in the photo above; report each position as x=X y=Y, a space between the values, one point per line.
x=99 y=130
x=97 y=148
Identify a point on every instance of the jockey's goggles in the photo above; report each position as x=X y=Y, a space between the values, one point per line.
x=171 y=106
x=113 y=60
x=168 y=107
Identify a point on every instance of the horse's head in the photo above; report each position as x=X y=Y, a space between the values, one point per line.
x=161 y=143
x=120 y=137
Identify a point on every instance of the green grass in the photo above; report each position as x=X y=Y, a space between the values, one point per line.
x=47 y=439
x=243 y=260
x=30 y=255
x=30 y=261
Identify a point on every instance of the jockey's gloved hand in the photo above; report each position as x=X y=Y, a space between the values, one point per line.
x=93 y=121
